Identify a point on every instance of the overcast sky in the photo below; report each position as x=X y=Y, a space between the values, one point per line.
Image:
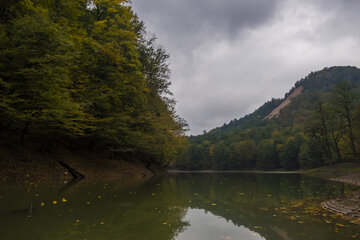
x=228 y=57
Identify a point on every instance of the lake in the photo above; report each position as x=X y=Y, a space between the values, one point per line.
x=182 y=206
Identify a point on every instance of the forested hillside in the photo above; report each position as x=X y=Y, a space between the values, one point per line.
x=85 y=73
x=320 y=126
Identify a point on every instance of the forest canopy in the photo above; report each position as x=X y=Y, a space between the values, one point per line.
x=88 y=70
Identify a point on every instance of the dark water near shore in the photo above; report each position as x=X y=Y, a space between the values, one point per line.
x=187 y=206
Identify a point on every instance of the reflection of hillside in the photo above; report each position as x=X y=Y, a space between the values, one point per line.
x=94 y=211
x=275 y=206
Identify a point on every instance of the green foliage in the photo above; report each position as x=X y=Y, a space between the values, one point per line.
x=318 y=128
x=83 y=68
x=267 y=155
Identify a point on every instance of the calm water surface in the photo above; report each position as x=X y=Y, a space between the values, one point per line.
x=197 y=206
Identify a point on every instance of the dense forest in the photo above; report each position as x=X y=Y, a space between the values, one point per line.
x=85 y=73
x=320 y=126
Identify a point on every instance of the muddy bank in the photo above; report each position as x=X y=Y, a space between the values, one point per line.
x=353 y=179
x=348 y=205
x=19 y=163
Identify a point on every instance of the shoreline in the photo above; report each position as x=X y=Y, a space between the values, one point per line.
x=37 y=166
x=348 y=205
x=234 y=171
x=21 y=164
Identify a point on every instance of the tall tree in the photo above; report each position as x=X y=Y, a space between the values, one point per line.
x=343 y=101
x=37 y=56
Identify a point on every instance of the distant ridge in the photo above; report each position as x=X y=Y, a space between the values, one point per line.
x=305 y=129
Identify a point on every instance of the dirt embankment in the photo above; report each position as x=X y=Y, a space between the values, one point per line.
x=348 y=205
x=287 y=101
x=19 y=163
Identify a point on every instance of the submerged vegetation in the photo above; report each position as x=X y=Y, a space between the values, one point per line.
x=84 y=73
x=319 y=126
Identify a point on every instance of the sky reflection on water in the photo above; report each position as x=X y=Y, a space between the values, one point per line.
x=206 y=226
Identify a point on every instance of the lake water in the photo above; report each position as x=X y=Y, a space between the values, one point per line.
x=194 y=206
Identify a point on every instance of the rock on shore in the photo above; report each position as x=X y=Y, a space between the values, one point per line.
x=349 y=204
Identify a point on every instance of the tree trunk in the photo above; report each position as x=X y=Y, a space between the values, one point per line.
x=336 y=146
x=23 y=133
x=73 y=172
x=352 y=139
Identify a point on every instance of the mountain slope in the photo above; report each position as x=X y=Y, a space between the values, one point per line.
x=304 y=129
x=286 y=102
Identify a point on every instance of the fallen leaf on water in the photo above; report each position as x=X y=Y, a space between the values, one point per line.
x=356 y=221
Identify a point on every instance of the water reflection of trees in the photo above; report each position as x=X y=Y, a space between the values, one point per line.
x=93 y=211
x=275 y=206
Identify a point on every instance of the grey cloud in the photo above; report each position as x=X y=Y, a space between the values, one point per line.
x=188 y=22
x=343 y=19
x=230 y=56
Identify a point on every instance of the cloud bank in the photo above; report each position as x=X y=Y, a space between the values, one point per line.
x=228 y=57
